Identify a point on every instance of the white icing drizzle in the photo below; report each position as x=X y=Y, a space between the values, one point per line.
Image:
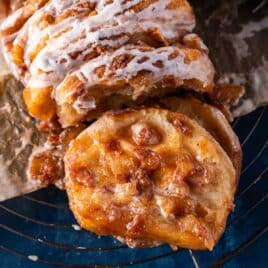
x=83 y=106
x=12 y=19
x=9 y=22
x=196 y=69
x=112 y=26
x=6 y=65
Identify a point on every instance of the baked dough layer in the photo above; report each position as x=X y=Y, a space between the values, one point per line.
x=150 y=175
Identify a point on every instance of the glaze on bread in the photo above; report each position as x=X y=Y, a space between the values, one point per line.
x=150 y=175
x=130 y=72
x=49 y=43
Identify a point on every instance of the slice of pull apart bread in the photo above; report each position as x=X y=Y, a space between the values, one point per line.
x=60 y=49
x=150 y=176
x=129 y=73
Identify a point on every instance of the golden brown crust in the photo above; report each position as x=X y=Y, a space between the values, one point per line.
x=150 y=175
x=227 y=94
x=213 y=120
x=146 y=176
x=25 y=9
x=39 y=103
x=46 y=167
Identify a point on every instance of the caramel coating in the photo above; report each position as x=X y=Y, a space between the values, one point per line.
x=143 y=134
x=46 y=167
x=177 y=189
x=213 y=120
x=46 y=164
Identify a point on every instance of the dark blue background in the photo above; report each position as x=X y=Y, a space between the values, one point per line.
x=41 y=223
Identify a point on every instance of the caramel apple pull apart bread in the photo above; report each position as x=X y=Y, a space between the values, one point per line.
x=150 y=176
x=59 y=50
x=145 y=175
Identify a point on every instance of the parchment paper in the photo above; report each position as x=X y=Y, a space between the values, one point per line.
x=235 y=32
x=18 y=136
